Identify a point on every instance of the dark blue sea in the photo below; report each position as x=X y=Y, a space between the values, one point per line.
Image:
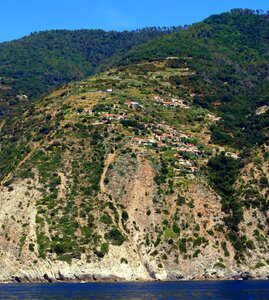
x=245 y=290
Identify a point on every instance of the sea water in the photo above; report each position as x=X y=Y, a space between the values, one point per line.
x=245 y=290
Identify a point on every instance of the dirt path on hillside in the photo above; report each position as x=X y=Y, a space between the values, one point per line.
x=62 y=186
x=1 y=125
x=108 y=162
x=36 y=145
x=27 y=157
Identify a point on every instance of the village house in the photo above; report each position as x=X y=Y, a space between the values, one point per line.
x=22 y=97
x=192 y=169
x=168 y=137
x=183 y=135
x=213 y=118
x=158 y=99
x=189 y=149
x=111 y=117
x=87 y=111
x=170 y=104
x=172 y=58
x=179 y=101
x=232 y=155
x=160 y=145
x=133 y=104
x=144 y=142
x=184 y=162
x=173 y=102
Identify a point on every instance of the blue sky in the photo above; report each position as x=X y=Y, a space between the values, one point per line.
x=21 y=17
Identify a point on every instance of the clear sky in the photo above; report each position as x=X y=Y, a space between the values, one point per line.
x=21 y=17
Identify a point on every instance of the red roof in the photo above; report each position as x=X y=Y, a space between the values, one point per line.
x=169 y=103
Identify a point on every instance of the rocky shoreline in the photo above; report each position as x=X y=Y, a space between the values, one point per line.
x=112 y=278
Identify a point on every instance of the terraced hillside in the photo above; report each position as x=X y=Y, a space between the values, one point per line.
x=34 y=65
x=229 y=54
x=117 y=177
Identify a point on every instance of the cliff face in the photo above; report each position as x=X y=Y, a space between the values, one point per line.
x=115 y=178
x=167 y=240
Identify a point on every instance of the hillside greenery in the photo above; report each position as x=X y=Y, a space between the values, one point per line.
x=229 y=53
x=187 y=102
x=57 y=142
x=36 y=63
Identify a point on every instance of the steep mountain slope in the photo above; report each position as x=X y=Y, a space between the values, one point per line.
x=230 y=54
x=35 y=64
x=116 y=177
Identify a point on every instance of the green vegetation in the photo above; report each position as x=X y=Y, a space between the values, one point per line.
x=106 y=218
x=115 y=237
x=103 y=250
x=169 y=233
x=37 y=63
x=260 y=265
x=219 y=265
x=182 y=245
x=223 y=171
x=228 y=54
x=177 y=124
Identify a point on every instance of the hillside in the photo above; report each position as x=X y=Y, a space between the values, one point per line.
x=36 y=64
x=117 y=177
x=229 y=54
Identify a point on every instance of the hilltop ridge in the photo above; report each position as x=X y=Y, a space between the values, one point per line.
x=34 y=65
